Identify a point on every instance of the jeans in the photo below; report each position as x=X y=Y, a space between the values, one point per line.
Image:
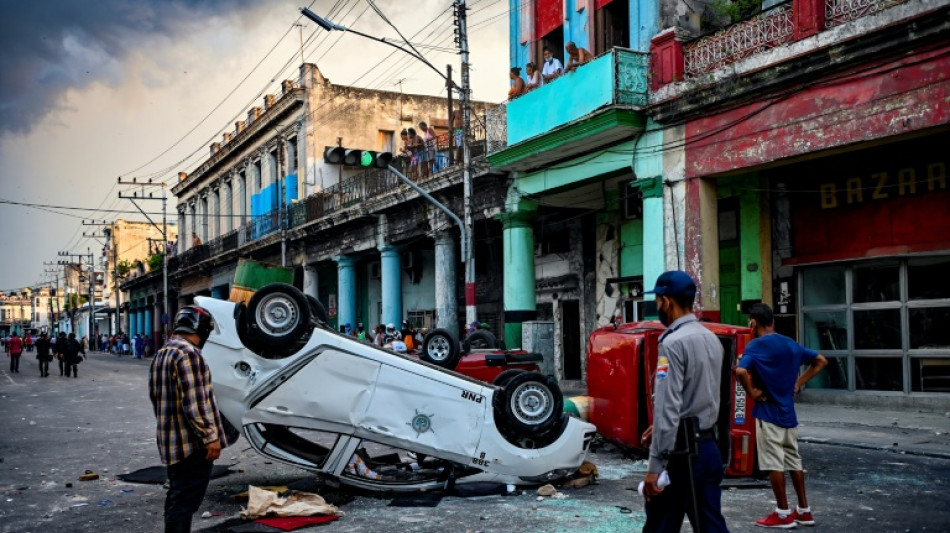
x=188 y=481
x=44 y=368
x=14 y=362
x=665 y=511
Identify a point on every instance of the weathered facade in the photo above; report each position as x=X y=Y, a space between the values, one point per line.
x=803 y=147
x=368 y=247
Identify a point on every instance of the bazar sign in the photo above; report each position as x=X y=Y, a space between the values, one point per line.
x=906 y=181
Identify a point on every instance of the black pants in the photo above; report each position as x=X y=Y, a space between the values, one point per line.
x=188 y=481
x=44 y=368
x=72 y=367
x=665 y=511
x=14 y=362
x=62 y=366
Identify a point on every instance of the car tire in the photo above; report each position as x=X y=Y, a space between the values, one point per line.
x=441 y=348
x=480 y=339
x=502 y=379
x=317 y=311
x=530 y=405
x=278 y=315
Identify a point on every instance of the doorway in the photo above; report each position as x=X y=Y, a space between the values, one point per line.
x=730 y=262
x=553 y=40
x=611 y=27
x=571 y=338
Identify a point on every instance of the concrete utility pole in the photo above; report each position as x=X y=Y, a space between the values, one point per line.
x=163 y=229
x=92 y=273
x=108 y=233
x=466 y=101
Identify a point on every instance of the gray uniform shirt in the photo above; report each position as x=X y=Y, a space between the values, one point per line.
x=686 y=384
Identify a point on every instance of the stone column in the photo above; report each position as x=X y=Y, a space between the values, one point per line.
x=133 y=320
x=391 y=272
x=446 y=277
x=519 y=287
x=148 y=323
x=701 y=246
x=346 y=290
x=654 y=251
x=311 y=281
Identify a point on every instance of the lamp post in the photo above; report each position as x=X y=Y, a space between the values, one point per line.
x=468 y=254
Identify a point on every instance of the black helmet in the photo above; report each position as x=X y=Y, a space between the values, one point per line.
x=194 y=319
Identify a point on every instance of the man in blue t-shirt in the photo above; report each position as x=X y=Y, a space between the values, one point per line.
x=768 y=371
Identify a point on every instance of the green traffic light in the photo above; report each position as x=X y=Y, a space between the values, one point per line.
x=366 y=159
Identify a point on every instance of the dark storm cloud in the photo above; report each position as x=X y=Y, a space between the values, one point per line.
x=49 y=46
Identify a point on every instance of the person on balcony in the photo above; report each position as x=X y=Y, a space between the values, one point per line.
x=429 y=148
x=552 y=66
x=534 y=77
x=416 y=148
x=576 y=56
x=517 y=83
x=458 y=130
x=195 y=241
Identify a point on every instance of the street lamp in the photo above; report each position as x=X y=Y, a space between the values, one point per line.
x=468 y=254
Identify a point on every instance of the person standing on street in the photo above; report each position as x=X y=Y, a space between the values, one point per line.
x=686 y=385
x=28 y=341
x=768 y=371
x=43 y=354
x=189 y=432
x=74 y=354
x=15 y=344
x=59 y=348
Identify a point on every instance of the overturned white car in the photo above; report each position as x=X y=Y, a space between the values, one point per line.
x=310 y=397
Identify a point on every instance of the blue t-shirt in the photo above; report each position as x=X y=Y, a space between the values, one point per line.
x=774 y=361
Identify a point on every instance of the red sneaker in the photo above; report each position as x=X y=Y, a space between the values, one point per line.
x=805 y=519
x=774 y=520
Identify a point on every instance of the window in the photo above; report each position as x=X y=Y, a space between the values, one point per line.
x=272 y=163
x=228 y=207
x=611 y=26
x=242 y=187
x=386 y=141
x=421 y=319
x=292 y=155
x=885 y=325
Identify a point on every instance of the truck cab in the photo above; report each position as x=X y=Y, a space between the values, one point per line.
x=621 y=368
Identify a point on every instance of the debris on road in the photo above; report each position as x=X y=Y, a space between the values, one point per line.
x=89 y=476
x=264 y=503
x=242 y=497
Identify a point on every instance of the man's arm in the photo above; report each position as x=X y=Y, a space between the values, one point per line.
x=745 y=378
x=817 y=365
x=668 y=399
x=196 y=399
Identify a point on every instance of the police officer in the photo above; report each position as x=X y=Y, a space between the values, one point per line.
x=686 y=385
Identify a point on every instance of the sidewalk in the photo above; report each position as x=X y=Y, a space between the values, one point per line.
x=905 y=431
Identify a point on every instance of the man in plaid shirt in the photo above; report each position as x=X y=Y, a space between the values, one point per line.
x=190 y=432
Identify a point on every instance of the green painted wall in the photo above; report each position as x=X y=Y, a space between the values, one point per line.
x=748 y=189
x=631 y=248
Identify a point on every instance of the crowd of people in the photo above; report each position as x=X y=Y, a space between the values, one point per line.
x=65 y=348
x=550 y=70
x=420 y=147
x=387 y=336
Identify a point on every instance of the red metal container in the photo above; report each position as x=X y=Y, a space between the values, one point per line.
x=621 y=366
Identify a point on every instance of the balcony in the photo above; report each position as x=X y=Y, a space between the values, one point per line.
x=579 y=111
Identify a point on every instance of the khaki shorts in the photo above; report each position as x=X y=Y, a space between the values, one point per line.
x=777 y=447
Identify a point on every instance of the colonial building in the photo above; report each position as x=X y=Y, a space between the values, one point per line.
x=367 y=246
x=29 y=310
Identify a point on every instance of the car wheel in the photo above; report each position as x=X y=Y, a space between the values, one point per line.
x=441 y=348
x=479 y=340
x=502 y=379
x=278 y=315
x=530 y=405
x=317 y=310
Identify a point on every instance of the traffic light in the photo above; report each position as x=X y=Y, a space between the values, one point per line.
x=333 y=155
x=352 y=157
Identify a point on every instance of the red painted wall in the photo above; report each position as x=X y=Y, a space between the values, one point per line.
x=856 y=205
x=548 y=16
x=864 y=106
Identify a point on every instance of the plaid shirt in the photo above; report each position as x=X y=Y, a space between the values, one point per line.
x=179 y=386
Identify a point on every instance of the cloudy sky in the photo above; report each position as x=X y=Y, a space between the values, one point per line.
x=90 y=91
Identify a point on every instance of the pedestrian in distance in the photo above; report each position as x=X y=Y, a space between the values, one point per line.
x=686 y=391
x=44 y=354
x=189 y=428
x=768 y=371
x=75 y=353
x=15 y=344
x=59 y=349
x=28 y=342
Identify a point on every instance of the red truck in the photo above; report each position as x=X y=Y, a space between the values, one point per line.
x=621 y=365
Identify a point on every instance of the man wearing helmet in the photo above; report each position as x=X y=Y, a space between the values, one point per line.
x=189 y=432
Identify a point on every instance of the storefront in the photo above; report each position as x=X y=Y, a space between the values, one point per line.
x=861 y=243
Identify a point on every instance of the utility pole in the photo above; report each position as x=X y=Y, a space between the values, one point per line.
x=466 y=102
x=449 y=85
x=108 y=231
x=92 y=272
x=56 y=296
x=163 y=229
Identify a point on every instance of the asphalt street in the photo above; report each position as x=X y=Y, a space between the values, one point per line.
x=56 y=428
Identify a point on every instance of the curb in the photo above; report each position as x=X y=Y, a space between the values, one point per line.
x=891 y=449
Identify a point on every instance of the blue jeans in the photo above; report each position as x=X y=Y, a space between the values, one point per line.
x=665 y=512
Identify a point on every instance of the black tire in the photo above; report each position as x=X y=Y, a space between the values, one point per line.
x=278 y=315
x=317 y=311
x=530 y=405
x=480 y=339
x=502 y=379
x=441 y=348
